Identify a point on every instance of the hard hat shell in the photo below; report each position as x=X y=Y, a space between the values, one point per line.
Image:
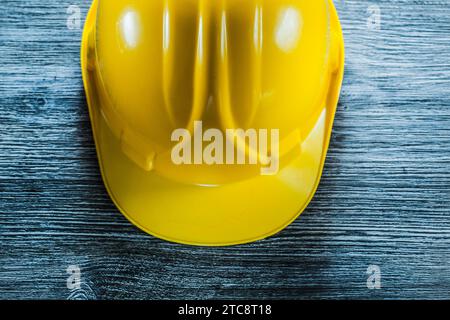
x=151 y=67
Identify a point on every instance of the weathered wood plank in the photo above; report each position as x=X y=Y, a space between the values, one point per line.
x=384 y=197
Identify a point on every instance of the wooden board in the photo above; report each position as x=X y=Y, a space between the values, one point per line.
x=383 y=200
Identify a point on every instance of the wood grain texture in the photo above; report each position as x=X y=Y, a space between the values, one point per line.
x=384 y=196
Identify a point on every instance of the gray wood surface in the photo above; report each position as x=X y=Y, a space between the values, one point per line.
x=383 y=200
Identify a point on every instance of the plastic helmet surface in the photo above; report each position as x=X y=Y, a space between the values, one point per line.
x=264 y=75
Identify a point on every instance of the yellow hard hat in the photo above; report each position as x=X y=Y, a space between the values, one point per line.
x=168 y=76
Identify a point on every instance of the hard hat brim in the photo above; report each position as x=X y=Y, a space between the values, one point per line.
x=229 y=214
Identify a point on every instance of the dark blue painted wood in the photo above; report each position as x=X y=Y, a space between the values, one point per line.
x=384 y=197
